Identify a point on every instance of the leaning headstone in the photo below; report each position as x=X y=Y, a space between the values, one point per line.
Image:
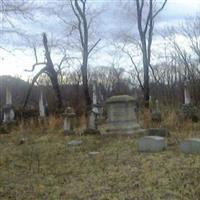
x=151 y=144
x=8 y=111
x=190 y=146
x=69 y=121
x=121 y=115
x=162 y=132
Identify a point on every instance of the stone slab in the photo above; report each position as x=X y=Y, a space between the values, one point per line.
x=190 y=146
x=93 y=153
x=75 y=142
x=151 y=144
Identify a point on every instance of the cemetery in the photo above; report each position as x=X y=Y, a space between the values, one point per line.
x=99 y=100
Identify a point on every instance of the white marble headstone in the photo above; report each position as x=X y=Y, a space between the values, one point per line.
x=8 y=97
x=41 y=106
x=187 y=98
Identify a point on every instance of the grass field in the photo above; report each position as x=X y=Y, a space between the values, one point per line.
x=45 y=167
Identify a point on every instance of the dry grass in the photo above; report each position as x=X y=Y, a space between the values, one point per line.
x=45 y=167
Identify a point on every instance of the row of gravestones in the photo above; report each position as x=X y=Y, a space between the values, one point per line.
x=152 y=144
x=7 y=115
x=157 y=144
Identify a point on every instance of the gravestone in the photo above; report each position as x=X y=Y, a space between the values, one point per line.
x=151 y=144
x=41 y=106
x=188 y=110
x=8 y=111
x=92 y=119
x=69 y=121
x=95 y=102
x=121 y=115
x=190 y=146
x=187 y=98
x=93 y=114
x=75 y=142
x=155 y=112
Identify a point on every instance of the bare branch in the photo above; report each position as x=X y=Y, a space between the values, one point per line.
x=159 y=10
x=33 y=67
x=96 y=43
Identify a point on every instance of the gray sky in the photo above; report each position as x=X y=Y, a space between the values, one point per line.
x=21 y=57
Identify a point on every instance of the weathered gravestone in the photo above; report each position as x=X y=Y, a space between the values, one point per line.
x=93 y=115
x=75 y=142
x=187 y=98
x=8 y=111
x=69 y=121
x=190 y=146
x=92 y=119
x=41 y=106
x=121 y=115
x=155 y=111
x=188 y=110
x=151 y=144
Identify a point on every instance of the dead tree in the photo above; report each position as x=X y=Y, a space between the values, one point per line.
x=79 y=10
x=145 y=24
x=48 y=69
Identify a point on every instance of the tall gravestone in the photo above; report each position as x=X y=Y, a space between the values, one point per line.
x=8 y=111
x=187 y=98
x=41 y=106
x=121 y=115
x=188 y=110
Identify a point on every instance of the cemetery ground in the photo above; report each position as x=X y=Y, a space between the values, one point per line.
x=44 y=166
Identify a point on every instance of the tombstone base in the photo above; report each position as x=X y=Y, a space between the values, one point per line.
x=122 y=127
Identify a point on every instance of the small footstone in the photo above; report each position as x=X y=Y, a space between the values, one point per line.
x=190 y=146
x=75 y=142
x=93 y=153
x=151 y=144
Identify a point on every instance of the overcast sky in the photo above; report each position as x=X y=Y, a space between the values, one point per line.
x=21 y=57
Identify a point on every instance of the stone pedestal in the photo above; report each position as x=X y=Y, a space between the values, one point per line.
x=69 y=121
x=121 y=115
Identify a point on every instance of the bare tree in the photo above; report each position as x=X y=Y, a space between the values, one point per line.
x=83 y=25
x=145 y=24
x=48 y=69
x=9 y=10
